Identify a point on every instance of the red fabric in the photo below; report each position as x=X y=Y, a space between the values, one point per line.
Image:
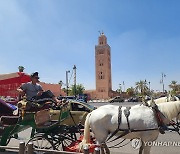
x=8 y=86
x=74 y=146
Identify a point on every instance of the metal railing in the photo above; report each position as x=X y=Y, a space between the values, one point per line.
x=22 y=149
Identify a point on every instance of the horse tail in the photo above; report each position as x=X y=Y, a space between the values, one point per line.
x=86 y=138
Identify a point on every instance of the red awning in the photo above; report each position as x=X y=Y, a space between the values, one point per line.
x=10 y=82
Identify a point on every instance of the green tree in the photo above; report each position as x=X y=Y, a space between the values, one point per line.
x=78 y=89
x=21 y=68
x=119 y=90
x=130 y=91
x=175 y=87
x=142 y=88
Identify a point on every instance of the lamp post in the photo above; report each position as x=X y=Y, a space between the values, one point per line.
x=144 y=87
x=120 y=89
x=124 y=86
x=67 y=86
x=60 y=84
x=74 y=68
x=162 y=80
x=149 y=86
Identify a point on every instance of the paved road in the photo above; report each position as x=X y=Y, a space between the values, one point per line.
x=128 y=149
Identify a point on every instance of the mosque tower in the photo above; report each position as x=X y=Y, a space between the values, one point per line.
x=103 y=68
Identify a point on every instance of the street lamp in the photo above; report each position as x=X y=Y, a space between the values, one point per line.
x=124 y=85
x=67 y=86
x=149 y=86
x=74 y=68
x=120 y=89
x=60 y=82
x=145 y=86
x=162 y=81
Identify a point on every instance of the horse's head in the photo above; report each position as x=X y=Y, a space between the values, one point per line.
x=171 y=109
x=172 y=98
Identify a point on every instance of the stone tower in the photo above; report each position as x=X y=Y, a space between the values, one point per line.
x=103 y=68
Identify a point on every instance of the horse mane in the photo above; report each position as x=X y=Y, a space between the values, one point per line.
x=170 y=109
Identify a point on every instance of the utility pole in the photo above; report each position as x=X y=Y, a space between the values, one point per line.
x=162 y=80
x=74 y=68
x=120 y=89
x=149 y=86
x=67 y=86
x=124 y=85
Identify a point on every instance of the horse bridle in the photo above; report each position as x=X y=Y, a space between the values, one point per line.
x=175 y=125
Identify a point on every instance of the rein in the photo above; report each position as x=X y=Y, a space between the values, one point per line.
x=175 y=125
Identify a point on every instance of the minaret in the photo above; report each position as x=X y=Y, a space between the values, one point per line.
x=103 y=68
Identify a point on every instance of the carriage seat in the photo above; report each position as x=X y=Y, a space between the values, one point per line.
x=9 y=120
x=43 y=119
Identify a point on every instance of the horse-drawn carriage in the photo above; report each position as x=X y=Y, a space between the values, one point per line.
x=139 y=121
x=48 y=131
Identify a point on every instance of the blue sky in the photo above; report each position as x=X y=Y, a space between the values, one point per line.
x=50 y=36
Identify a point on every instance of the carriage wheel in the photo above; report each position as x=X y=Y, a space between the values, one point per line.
x=41 y=142
x=64 y=141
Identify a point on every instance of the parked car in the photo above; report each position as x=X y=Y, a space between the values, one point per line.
x=116 y=99
x=66 y=97
x=78 y=110
x=133 y=99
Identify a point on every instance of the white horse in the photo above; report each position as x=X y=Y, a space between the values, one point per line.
x=104 y=121
x=164 y=99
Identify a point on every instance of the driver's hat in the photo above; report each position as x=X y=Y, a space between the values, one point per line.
x=35 y=75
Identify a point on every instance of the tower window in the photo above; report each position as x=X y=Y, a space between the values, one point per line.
x=101 y=77
x=101 y=63
x=101 y=90
x=101 y=51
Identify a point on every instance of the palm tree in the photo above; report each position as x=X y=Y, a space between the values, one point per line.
x=130 y=91
x=79 y=89
x=21 y=68
x=142 y=87
x=174 y=86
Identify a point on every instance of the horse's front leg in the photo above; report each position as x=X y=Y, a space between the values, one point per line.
x=106 y=148
x=101 y=147
x=141 y=148
x=147 y=149
x=102 y=150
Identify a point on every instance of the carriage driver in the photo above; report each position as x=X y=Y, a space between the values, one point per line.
x=33 y=90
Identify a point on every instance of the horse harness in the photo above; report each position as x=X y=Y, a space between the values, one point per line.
x=125 y=131
x=161 y=126
x=129 y=130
